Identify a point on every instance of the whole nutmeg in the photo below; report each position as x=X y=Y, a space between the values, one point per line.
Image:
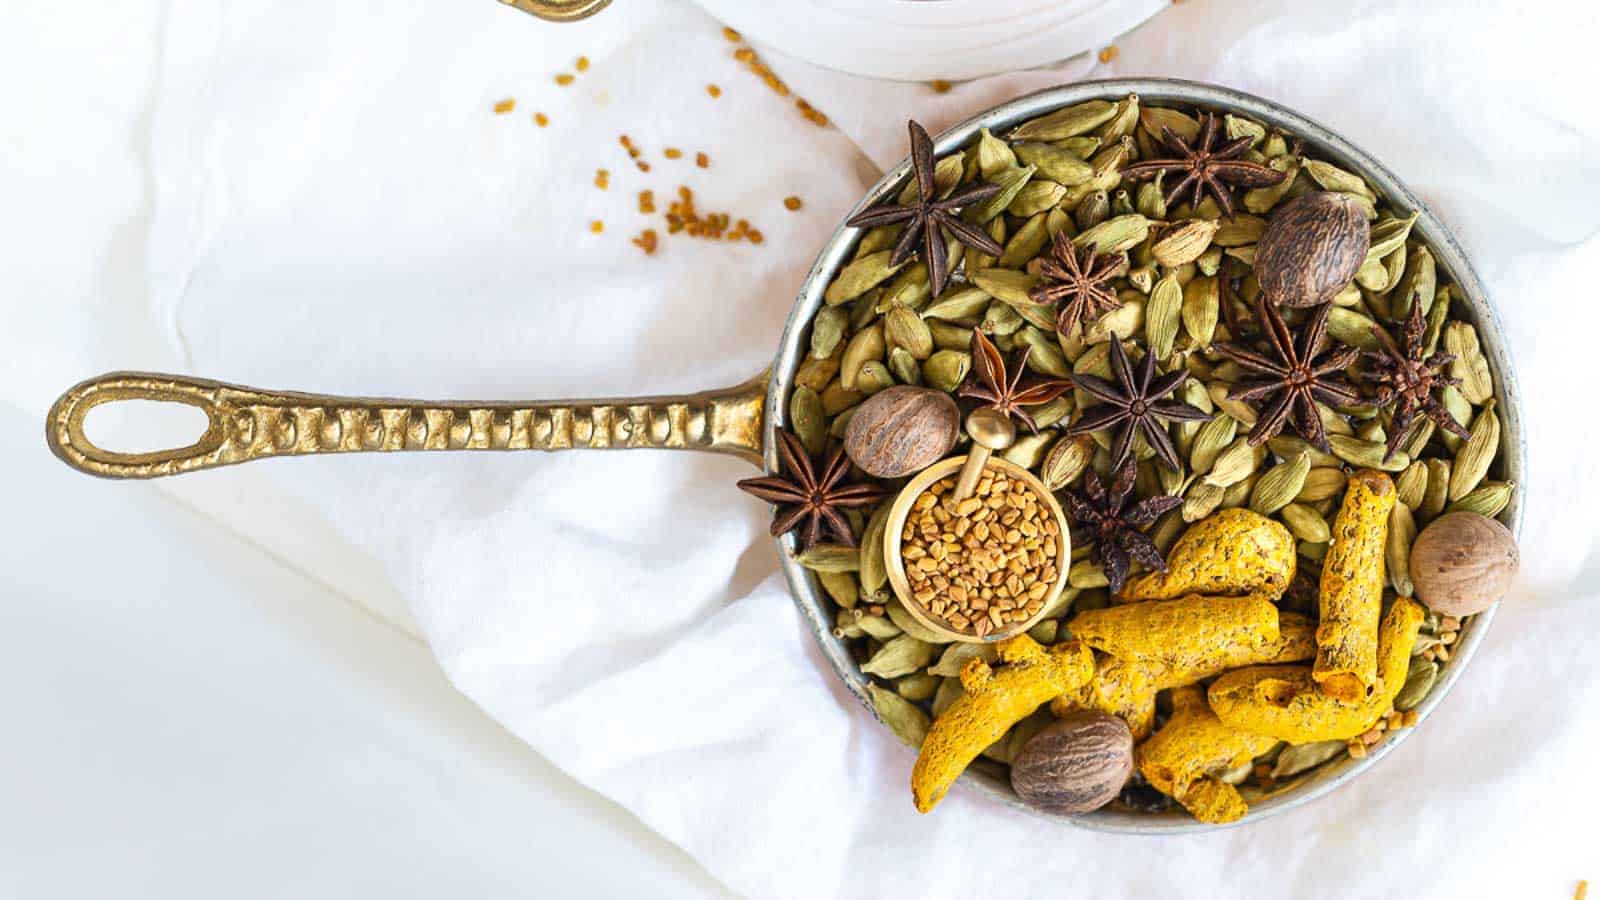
x=902 y=429
x=1076 y=765
x=1462 y=563
x=1312 y=247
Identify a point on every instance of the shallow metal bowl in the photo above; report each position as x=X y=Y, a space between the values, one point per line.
x=1319 y=141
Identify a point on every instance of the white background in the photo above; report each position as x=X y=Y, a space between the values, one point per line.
x=185 y=716
x=189 y=716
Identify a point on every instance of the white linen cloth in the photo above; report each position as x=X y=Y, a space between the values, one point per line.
x=337 y=210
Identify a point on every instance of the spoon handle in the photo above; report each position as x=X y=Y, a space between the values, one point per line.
x=244 y=423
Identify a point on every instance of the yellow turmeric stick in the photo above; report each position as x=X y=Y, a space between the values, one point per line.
x=1179 y=759
x=1351 y=593
x=1178 y=635
x=1284 y=702
x=992 y=701
x=1232 y=552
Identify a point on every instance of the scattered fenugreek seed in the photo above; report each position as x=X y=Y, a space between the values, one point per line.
x=791 y=203
x=646 y=241
x=541 y=119
x=672 y=153
x=1108 y=54
x=731 y=35
x=702 y=160
x=602 y=179
x=940 y=86
x=714 y=91
x=597 y=226
x=504 y=106
x=564 y=79
x=647 y=201
x=582 y=65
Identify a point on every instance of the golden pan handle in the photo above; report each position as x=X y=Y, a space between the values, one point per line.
x=559 y=10
x=243 y=424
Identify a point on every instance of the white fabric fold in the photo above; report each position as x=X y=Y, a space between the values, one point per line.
x=338 y=210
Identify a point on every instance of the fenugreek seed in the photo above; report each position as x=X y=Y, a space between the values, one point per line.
x=505 y=106
x=564 y=79
x=597 y=226
x=582 y=64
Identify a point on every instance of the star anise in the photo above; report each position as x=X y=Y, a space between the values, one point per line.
x=1136 y=405
x=1407 y=380
x=1113 y=531
x=803 y=496
x=1298 y=375
x=1079 y=281
x=989 y=384
x=929 y=217
x=1205 y=167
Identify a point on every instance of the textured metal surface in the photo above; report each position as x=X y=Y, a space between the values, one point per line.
x=1320 y=142
x=243 y=424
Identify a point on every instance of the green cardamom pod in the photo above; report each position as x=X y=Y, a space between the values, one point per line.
x=1461 y=340
x=830 y=558
x=1397 y=548
x=1333 y=178
x=874 y=377
x=900 y=656
x=1437 y=495
x=860 y=276
x=994 y=155
x=1161 y=316
x=1122 y=122
x=1154 y=118
x=1298 y=758
x=1472 y=461
x=946 y=369
x=904 y=328
x=1242 y=230
x=1322 y=483
x=1305 y=523
x=1200 y=309
x=1115 y=235
x=1036 y=197
x=1389 y=235
x=1068 y=122
x=1419 y=681
x=1350 y=327
x=1011 y=182
x=841 y=586
x=1367 y=454
x=1487 y=499
x=1417 y=285
x=957 y=303
x=807 y=420
x=1201 y=500
x=1027 y=242
x=908 y=722
x=1053 y=163
x=904 y=367
x=865 y=346
x=1279 y=485
x=1044 y=355
x=1412 y=485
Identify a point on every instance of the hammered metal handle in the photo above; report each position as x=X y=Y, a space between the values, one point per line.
x=244 y=424
x=559 y=10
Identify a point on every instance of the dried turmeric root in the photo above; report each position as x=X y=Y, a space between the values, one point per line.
x=1233 y=552
x=1351 y=594
x=1122 y=688
x=1127 y=688
x=993 y=701
x=1284 y=702
x=1182 y=634
x=1178 y=760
